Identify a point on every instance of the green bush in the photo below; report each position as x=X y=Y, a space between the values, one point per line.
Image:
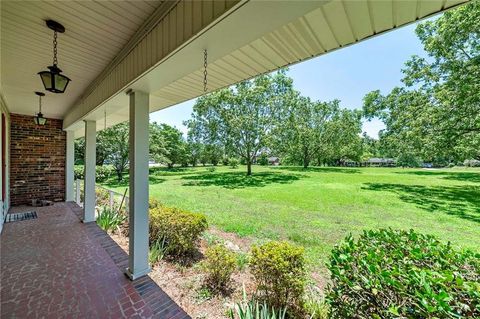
x=471 y=163
x=110 y=219
x=219 y=265
x=402 y=274
x=78 y=172
x=263 y=159
x=102 y=173
x=279 y=272
x=180 y=229
x=233 y=163
x=102 y=196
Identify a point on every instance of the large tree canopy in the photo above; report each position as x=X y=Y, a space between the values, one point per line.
x=437 y=112
x=241 y=118
x=319 y=132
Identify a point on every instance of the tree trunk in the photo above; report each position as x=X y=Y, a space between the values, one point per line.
x=249 y=167
x=305 y=163
x=119 y=175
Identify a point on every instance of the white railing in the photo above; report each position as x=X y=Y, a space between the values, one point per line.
x=113 y=196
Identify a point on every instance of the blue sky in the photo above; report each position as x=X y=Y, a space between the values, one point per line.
x=346 y=74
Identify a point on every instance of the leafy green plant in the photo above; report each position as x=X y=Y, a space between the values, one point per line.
x=157 y=251
x=211 y=169
x=203 y=294
x=315 y=305
x=219 y=265
x=180 y=229
x=110 y=219
x=233 y=163
x=78 y=171
x=279 y=271
x=242 y=260
x=402 y=274
x=254 y=309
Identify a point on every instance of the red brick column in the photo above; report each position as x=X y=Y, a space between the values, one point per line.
x=37 y=160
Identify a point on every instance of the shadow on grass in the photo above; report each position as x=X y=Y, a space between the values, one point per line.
x=456 y=176
x=113 y=183
x=232 y=180
x=461 y=201
x=177 y=171
x=318 y=169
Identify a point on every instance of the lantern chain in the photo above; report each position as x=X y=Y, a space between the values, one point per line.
x=205 y=60
x=55 y=61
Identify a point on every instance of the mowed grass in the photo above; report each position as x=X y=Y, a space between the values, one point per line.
x=318 y=207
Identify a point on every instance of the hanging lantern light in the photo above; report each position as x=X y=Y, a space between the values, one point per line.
x=52 y=79
x=39 y=119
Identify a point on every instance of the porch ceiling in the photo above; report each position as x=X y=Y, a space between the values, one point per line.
x=96 y=31
x=258 y=37
x=243 y=38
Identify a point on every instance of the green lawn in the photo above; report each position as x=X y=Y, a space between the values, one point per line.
x=317 y=207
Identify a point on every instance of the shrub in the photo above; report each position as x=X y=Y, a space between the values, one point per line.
x=254 y=309
x=471 y=163
x=233 y=163
x=402 y=274
x=219 y=265
x=102 y=173
x=279 y=271
x=263 y=159
x=102 y=196
x=408 y=160
x=180 y=229
x=110 y=219
x=78 y=172
x=154 y=203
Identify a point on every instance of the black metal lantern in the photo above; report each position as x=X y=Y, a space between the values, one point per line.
x=52 y=79
x=39 y=119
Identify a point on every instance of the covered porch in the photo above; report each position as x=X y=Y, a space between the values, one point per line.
x=127 y=59
x=56 y=267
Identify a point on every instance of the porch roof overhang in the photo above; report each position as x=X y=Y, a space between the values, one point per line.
x=244 y=38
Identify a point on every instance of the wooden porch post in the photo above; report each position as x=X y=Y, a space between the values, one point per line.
x=138 y=265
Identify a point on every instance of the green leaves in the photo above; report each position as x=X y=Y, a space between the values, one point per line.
x=391 y=274
x=437 y=114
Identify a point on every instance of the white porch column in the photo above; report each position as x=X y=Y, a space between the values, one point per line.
x=138 y=192
x=69 y=166
x=89 y=173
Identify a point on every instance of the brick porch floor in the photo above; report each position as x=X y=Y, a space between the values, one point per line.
x=57 y=267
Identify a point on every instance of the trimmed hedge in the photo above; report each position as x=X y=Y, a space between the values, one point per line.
x=402 y=274
x=279 y=272
x=180 y=229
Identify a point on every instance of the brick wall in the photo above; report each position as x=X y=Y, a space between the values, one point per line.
x=37 y=160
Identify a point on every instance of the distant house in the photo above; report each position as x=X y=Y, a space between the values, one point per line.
x=381 y=162
x=273 y=160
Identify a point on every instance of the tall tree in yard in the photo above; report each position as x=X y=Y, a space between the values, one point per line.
x=437 y=112
x=116 y=142
x=242 y=117
x=167 y=145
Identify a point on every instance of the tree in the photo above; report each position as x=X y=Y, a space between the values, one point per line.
x=437 y=112
x=167 y=145
x=241 y=118
x=100 y=151
x=115 y=141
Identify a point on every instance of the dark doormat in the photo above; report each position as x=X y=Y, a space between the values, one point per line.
x=20 y=216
